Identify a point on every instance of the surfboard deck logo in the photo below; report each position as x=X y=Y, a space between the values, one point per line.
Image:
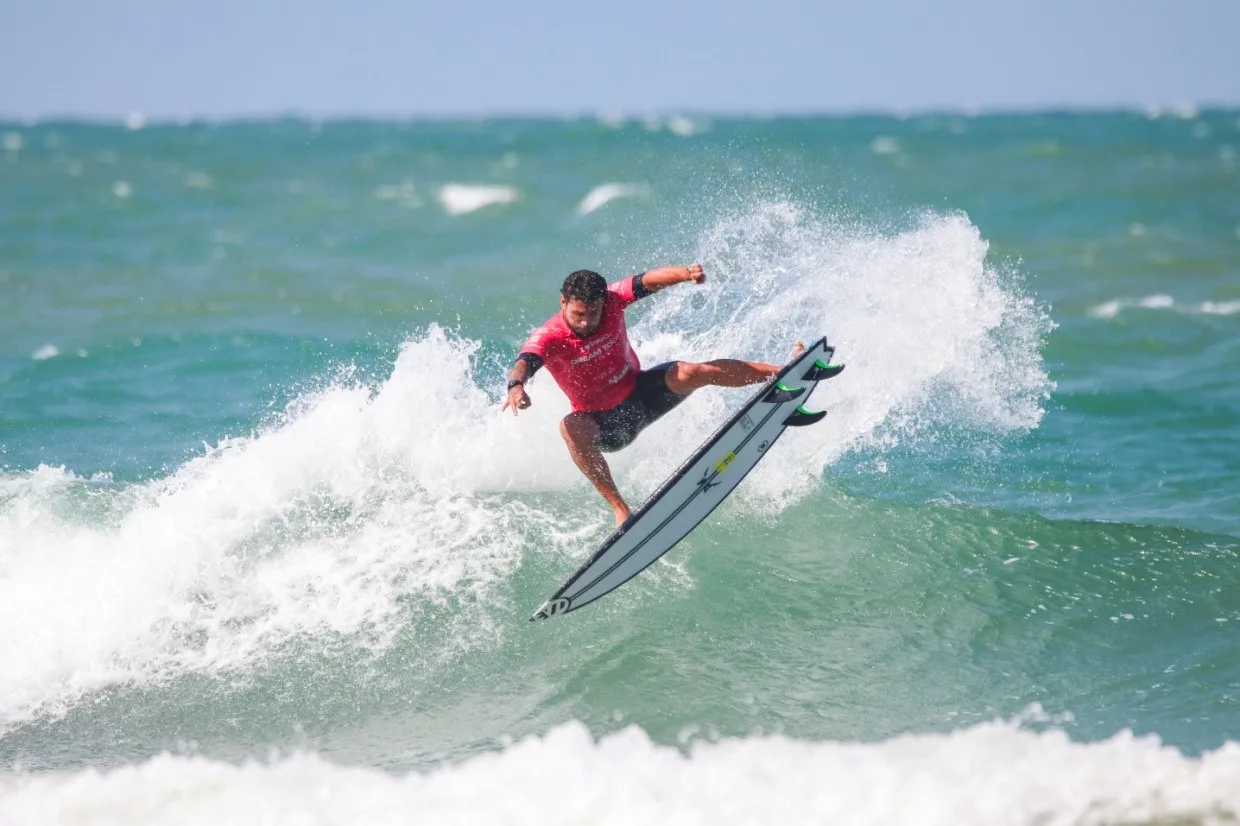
x=695 y=489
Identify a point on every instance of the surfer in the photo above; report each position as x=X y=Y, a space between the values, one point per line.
x=586 y=349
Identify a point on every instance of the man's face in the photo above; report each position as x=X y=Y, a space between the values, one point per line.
x=582 y=318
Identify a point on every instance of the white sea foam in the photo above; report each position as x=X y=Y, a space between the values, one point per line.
x=47 y=351
x=685 y=127
x=324 y=524
x=605 y=193
x=1107 y=309
x=1160 y=301
x=1220 y=307
x=135 y=121
x=12 y=141
x=197 y=180
x=1157 y=302
x=404 y=193
x=989 y=775
x=1112 y=308
x=122 y=189
x=884 y=145
x=460 y=199
x=933 y=337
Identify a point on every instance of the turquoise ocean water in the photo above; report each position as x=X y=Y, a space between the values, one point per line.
x=268 y=547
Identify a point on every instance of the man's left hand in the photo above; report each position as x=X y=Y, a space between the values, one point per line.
x=696 y=274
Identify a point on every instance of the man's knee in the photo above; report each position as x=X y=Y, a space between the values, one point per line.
x=684 y=377
x=579 y=429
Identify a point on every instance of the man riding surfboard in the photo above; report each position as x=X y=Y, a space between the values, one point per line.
x=586 y=349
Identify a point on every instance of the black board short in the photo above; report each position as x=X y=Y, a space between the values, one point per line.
x=650 y=399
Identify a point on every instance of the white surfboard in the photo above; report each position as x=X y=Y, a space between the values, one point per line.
x=700 y=484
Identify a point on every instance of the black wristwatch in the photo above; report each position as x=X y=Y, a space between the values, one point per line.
x=515 y=383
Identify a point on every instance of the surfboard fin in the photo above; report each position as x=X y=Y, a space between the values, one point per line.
x=822 y=371
x=780 y=394
x=801 y=417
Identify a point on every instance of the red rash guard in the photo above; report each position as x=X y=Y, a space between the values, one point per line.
x=598 y=372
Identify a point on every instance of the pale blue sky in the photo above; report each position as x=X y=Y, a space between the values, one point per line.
x=391 y=58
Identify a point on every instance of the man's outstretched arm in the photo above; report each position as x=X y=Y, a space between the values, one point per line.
x=656 y=279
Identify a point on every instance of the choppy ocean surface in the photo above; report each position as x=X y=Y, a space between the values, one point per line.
x=268 y=546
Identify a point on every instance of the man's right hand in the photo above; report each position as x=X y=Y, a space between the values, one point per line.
x=517 y=399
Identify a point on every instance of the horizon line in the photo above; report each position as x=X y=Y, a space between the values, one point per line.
x=136 y=119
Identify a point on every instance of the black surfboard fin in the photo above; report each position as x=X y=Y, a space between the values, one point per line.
x=780 y=394
x=822 y=371
x=801 y=417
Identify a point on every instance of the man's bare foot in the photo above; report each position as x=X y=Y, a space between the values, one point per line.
x=798 y=348
x=621 y=515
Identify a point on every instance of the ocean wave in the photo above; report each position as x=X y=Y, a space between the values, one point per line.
x=603 y=194
x=1220 y=307
x=364 y=506
x=1160 y=301
x=405 y=193
x=678 y=125
x=461 y=199
x=321 y=525
x=995 y=773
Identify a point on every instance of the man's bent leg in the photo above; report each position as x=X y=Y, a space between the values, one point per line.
x=581 y=434
x=685 y=376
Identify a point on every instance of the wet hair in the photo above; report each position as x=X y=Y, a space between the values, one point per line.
x=586 y=285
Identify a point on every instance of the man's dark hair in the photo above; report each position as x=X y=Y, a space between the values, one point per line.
x=586 y=285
